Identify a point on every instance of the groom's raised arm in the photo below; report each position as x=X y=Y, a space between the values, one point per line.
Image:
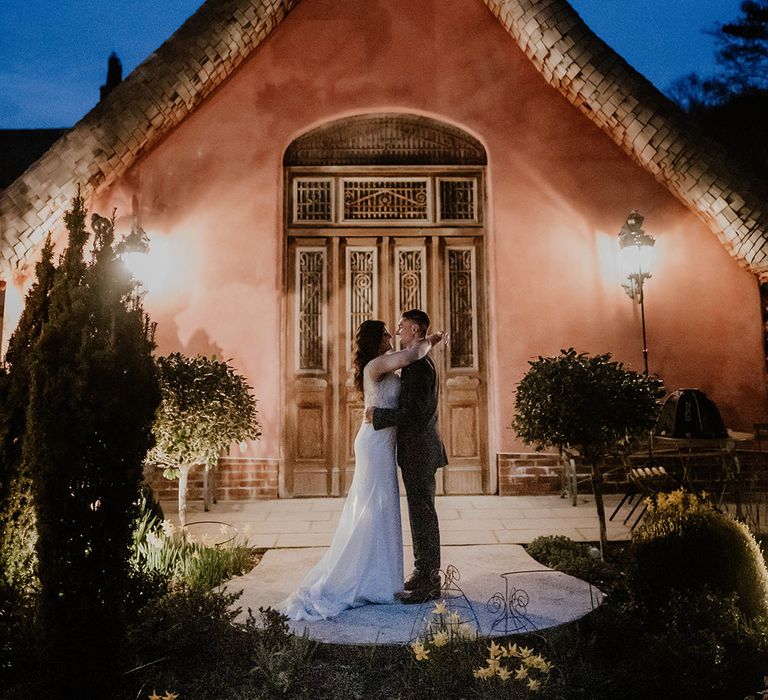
x=417 y=399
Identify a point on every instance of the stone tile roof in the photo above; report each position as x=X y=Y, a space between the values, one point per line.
x=648 y=126
x=133 y=118
x=207 y=48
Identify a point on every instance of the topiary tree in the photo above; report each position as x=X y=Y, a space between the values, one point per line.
x=92 y=397
x=590 y=404
x=205 y=407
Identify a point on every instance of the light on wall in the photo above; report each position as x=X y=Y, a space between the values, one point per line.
x=133 y=250
x=636 y=250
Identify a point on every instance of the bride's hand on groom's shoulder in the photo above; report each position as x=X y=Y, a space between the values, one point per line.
x=438 y=337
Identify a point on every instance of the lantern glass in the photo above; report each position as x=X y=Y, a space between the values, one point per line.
x=638 y=259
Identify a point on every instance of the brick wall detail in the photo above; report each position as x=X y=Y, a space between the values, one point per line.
x=236 y=479
x=528 y=473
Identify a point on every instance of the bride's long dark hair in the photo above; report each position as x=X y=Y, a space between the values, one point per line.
x=368 y=341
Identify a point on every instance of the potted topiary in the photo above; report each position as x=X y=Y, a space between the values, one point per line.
x=588 y=404
x=205 y=407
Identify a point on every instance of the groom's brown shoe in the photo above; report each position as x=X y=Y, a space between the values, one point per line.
x=422 y=594
x=418 y=579
x=414 y=581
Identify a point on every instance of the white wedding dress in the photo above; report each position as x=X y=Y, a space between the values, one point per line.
x=365 y=561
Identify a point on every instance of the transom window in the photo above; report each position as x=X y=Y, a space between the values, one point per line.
x=429 y=199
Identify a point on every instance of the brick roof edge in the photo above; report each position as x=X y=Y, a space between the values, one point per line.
x=648 y=126
x=133 y=118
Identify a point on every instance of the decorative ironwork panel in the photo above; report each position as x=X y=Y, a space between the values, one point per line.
x=312 y=200
x=462 y=306
x=310 y=292
x=386 y=139
x=410 y=279
x=458 y=199
x=361 y=289
x=386 y=199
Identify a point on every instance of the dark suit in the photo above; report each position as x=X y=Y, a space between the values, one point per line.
x=420 y=453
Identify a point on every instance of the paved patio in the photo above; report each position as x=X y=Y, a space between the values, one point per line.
x=481 y=538
x=464 y=520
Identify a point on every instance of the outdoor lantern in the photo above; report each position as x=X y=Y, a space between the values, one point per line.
x=637 y=262
x=636 y=254
x=133 y=250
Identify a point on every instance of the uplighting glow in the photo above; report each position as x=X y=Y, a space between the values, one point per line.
x=157 y=270
x=638 y=260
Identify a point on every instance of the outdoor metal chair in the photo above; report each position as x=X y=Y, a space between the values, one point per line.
x=642 y=482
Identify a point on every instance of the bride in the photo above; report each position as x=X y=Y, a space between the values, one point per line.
x=365 y=561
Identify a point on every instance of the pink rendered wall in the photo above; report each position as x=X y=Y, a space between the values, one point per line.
x=559 y=190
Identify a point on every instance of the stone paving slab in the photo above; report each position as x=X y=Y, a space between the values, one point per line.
x=553 y=598
x=310 y=522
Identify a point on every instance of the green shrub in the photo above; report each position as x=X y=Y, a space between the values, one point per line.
x=573 y=558
x=185 y=642
x=280 y=659
x=18 y=647
x=684 y=545
x=161 y=549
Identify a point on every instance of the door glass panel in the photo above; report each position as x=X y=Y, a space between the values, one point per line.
x=362 y=290
x=310 y=292
x=461 y=285
x=411 y=287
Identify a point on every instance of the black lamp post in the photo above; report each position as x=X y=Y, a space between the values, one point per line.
x=636 y=257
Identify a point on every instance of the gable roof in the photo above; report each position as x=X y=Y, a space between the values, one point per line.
x=211 y=44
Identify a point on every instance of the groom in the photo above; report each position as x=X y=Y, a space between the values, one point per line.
x=420 y=453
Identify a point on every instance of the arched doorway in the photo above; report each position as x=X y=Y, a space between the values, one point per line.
x=384 y=212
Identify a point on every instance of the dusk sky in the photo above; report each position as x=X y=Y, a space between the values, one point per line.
x=53 y=54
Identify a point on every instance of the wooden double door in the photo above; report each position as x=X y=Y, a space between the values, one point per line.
x=334 y=280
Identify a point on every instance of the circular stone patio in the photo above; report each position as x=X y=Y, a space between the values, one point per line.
x=529 y=597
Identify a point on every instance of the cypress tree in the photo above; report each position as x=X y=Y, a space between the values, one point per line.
x=17 y=523
x=92 y=396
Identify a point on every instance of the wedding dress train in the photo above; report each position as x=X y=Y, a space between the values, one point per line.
x=365 y=561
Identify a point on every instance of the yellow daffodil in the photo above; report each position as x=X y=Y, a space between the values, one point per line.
x=504 y=673
x=511 y=651
x=525 y=651
x=533 y=684
x=440 y=639
x=540 y=662
x=493 y=664
x=419 y=651
x=496 y=650
x=482 y=673
x=155 y=696
x=521 y=673
x=440 y=608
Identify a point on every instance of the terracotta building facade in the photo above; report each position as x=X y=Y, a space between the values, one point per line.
x=300 y=167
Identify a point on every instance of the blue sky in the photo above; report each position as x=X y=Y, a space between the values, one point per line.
x=53 y=54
